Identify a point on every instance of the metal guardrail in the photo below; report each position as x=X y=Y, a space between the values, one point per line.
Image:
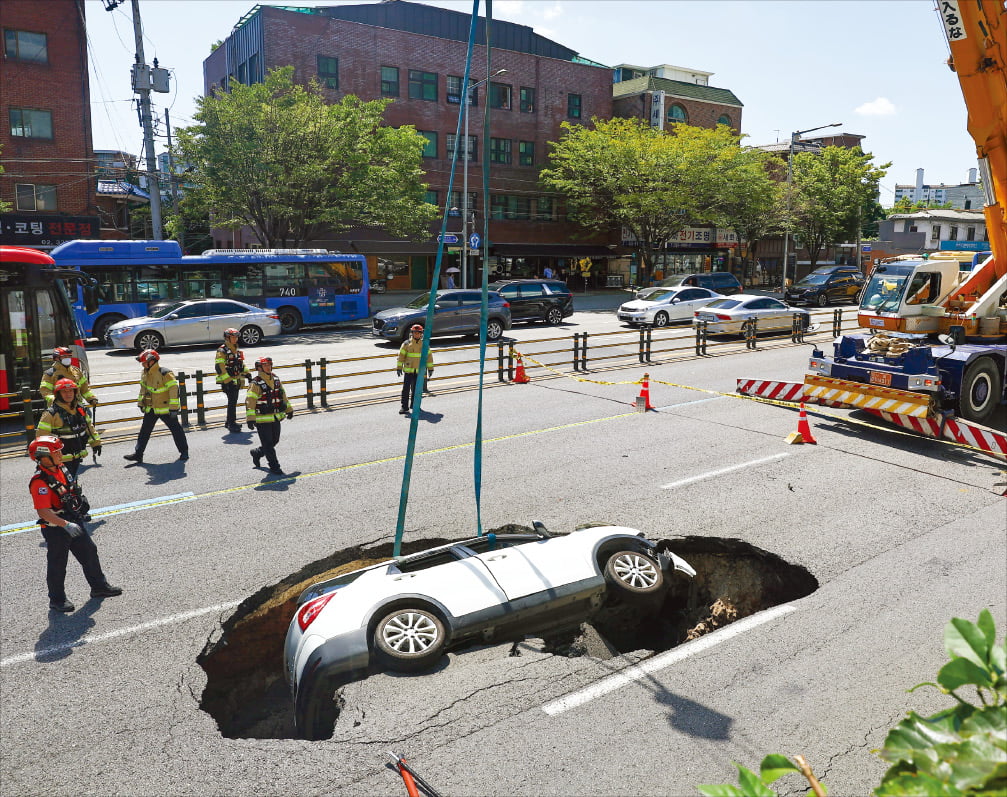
x=324 y=385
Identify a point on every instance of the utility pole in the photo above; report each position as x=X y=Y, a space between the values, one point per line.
x=141 y=86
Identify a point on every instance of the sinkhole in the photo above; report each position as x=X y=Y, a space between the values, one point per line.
x=247 y=695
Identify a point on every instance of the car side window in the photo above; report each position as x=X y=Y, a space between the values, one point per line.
x=226 y=308
x=508 y=291
x=469 y=297
x=425 y=562
x=557 y=287
x=532 y=290
x=191 y=310
x=762 y=304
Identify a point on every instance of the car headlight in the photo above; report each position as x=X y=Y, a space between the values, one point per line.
x=120 y=331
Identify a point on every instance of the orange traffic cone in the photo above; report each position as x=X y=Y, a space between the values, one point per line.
x=803 y=433
x=520 y=377
x=643 y=400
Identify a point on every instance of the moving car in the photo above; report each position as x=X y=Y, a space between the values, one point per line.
x=826 y=285
x=194 y=321
x=403 y=614
x=457 y=313
x=723 y=282
x=536 y=300
x=726 y=316
x=660 y=306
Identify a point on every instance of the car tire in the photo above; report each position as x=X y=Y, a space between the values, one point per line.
x=409 y=639
x=494 y=329
x=980 y=391
x=661 y=319
x=634 y=576
x=554 y=316
x=148 y=339
x=823 y=300
x=290 y=319
x=101 y=326
x=250 y=335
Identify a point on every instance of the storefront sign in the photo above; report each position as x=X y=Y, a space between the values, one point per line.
x=657 y=110
x=45 y=232
x=964 y=246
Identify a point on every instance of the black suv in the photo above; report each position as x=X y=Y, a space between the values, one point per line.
x=536 y=300
x=826 y=285
x=455 y=313
x=723 y=282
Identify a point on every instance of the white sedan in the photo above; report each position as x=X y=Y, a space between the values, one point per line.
x=727 y=316
x=195 y=321
x=660 y=306
x=403 y=614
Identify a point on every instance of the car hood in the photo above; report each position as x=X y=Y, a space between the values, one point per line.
x=132 y=322
x=397 y=312
x=637 y=305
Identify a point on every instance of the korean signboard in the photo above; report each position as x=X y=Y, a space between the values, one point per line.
x=657 y=110
x=45 y=232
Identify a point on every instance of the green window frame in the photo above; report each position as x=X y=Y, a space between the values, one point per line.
x=500 y=96
x=422 y=85
x=430 y=150
x=500 y=150
x=574 y=106
x=328 y=71
x=389 y=81
x=527 y=99
x=30 y=123
x=526 y=153
x=676 y=113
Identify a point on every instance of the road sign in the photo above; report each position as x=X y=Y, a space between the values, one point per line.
x=865 y=248
x=474 y=241
x=448 y=238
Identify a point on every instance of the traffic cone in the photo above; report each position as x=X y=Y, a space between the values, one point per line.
x=520 y=377
x=643 y=400
x=803 y=433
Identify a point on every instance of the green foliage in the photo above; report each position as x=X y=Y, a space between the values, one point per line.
x=274 y=156
x=958 y=752
x=906 y=205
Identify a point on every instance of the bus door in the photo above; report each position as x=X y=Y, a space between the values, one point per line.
x=22 y=348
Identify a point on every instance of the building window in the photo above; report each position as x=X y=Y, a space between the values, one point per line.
x=28 y=123
x=389 y=81
x=545 y=208
x=935 y=232
x=970 y=233
x=328 y=72
x=24 y=46
x=526 y=153
x=454 y=92
x=422 y=85
x=509 y=206
x=953 y=234
x=500 y=96
x=724 y=119
x=431 y=197
x=455 y=202
x=35 y=197
x=574 y=106
x=430 y=150
x=676 y=113
x=473 y=152
x=527 y=100
x=500 y=150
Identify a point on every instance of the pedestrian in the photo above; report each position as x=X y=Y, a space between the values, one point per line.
x=158 y=399
x=62 y=509
x=231 y=376
x=68 y=420
x=62 y=367
x=547 y=272
x=266 y=404
x=451 y=282
x=409 y=364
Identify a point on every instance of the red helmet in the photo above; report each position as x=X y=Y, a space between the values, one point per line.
x=60 y=352
x=44 y=446
x=63 y=383
x=263 y=361
x=148 y=354
x=416 y=327
x=230 y=331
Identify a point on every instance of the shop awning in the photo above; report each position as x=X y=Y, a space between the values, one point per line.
x=552 y=250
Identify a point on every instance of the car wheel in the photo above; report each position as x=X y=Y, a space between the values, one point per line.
x=661 y=319
x=554 y=316
x=494 y=329
x=290 y=319
x=980 y=392
x=250 y=335
x=409 y=639
x=631 y=574
x=823 y=300
x=148 y=340
x=100 y=330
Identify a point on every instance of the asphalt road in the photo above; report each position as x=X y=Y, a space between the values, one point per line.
x=901 y=533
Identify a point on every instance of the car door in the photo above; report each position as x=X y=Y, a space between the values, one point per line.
x=223 y=315
x=445 y=314
x=512 y=295
x=532 y=567
x=469 y=312
x=188 y=324
x=533 y=300
x=461 y=585
x=688 y=301
x=771 y=314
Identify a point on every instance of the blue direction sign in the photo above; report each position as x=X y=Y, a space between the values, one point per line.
x=448 y=238
x=474 y=240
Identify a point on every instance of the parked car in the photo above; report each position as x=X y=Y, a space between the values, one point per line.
x=194 y=321
x=726 y=316
x=456 y=313
x=723 y=282
x=403 y=614
x=660 y=306
x=826 y=285
x=536 y=300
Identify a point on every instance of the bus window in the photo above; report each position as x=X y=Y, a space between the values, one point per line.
x=349 y=274
x=243 y=281
x=284 y=279
x=19 y=369
x=46 y=313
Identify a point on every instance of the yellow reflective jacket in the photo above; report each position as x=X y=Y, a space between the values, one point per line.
x=230 y=365
x=158 y=391
x=59 y=371
x=69 y=422
x=409 y=356
x=266 y=401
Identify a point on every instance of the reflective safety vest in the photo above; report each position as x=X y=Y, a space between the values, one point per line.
x=230 y=365
x=409 y=356
x=71 y=425
x=158 y=391
x=266 y=400
x=73 y=504
x=59 y=371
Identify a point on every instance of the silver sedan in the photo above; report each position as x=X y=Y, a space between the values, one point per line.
x=660 y=306
x=727 y=316
x=196 y=321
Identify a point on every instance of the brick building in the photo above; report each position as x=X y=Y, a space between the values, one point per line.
x=46 y=124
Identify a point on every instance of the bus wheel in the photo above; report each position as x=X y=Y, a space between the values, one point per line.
x=290 y=319
x=101 y=326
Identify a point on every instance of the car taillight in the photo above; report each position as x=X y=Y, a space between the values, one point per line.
x=722 y=317
x=309 y=611
x=506 y=304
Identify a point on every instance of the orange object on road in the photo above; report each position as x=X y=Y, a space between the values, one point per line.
x=804 y=427
x=520 y=377
x=645 y=393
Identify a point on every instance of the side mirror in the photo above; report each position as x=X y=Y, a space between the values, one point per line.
x=676 y=300
x=173 y=317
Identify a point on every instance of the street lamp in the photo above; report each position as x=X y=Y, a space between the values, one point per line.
x=465 y=175
x=790 y=177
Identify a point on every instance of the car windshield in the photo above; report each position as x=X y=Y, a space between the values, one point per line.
x=813 y=279
x=655 y=294
x=723 y=304
x=419 y=302
x=161 y=312
x=884 y=292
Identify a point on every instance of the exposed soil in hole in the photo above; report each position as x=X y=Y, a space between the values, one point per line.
x=247 y=695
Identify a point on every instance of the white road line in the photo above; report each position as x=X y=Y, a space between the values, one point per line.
x=639 y=671
x=117 y=509
x=135 y=629
x=722 y=471
x=690 y=403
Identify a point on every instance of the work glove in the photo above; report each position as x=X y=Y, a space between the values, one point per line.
x=251 y=425
x=73 y=530
x=290 y=415
x=96 y=450
x=93 y=402
x=430 y=372
x=398 y=372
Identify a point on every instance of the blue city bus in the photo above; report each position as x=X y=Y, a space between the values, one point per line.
x=303 y=286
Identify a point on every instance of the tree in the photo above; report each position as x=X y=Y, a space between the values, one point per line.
x=906 y=205
x=275 y=157
x=830 y=188
x=623 y=174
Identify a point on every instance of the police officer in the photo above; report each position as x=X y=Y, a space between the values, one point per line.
x=158 y=399
x=408 y=363
x=266 y=404
x=63 y=368
x=61 y=508
x=67 y=420
x=231 y=375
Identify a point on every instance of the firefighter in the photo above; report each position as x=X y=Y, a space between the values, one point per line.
x=61 y=508
x=266 y=404
x=67 y=420
x=158 y=399
x=231 y=375
x=63 y=368
x=409 y=364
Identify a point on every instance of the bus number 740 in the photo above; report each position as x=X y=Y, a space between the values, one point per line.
x=288 y=291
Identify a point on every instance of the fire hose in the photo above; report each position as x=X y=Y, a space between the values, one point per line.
x=411 y=778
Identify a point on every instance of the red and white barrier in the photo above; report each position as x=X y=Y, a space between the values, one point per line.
x=956 y=430
x=779 y=391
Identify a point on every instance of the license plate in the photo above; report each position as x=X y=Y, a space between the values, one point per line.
x=881 y=378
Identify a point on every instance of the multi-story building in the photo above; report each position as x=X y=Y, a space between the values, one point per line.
x=45 y=124
x=963 y=196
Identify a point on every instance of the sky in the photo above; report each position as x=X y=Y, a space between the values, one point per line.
x=876 y=66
